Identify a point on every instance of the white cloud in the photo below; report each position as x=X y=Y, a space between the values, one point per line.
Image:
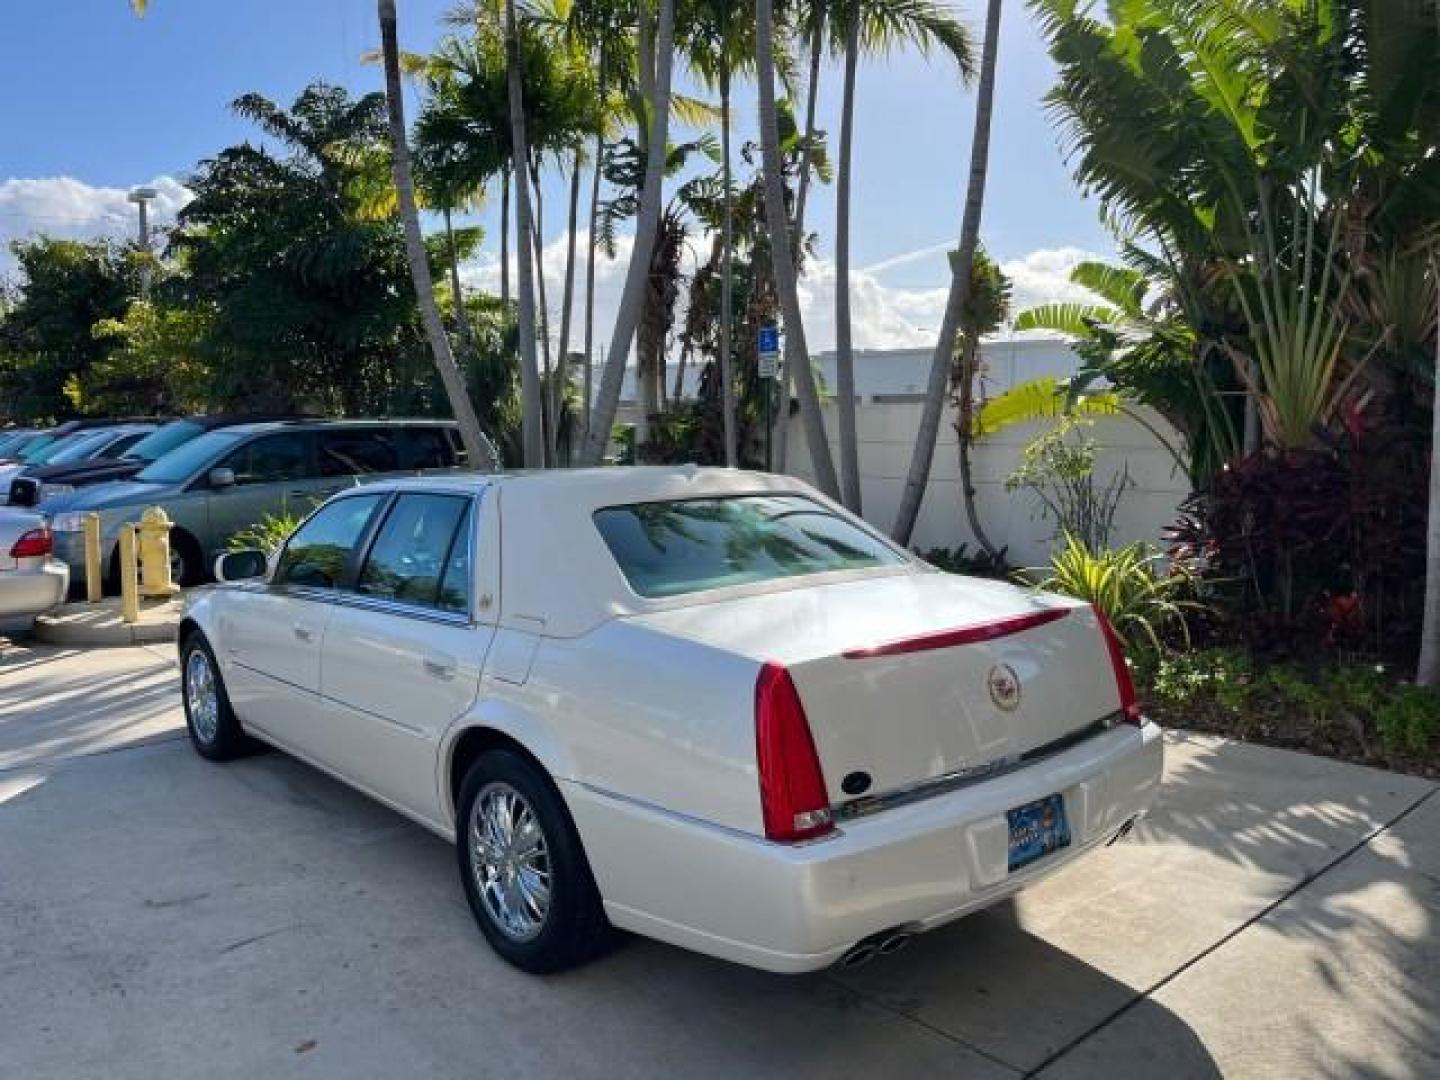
x=66 y=207
x=882 y=316
x=1043 y=277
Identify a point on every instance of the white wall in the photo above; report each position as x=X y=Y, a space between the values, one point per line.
x=886 y=434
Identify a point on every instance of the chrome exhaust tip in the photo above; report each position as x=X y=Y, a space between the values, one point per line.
x=894 y=943
x=858 y=955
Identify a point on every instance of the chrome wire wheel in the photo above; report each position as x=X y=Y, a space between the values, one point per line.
x=202 y=695
x=510 y=861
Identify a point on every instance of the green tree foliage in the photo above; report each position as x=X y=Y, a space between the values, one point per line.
x=65 y=288
x=155 y=363
x=311 y=301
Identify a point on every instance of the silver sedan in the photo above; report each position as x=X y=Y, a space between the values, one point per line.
x=32 y=580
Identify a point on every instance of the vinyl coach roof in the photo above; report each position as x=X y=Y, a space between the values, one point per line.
x=557 y=575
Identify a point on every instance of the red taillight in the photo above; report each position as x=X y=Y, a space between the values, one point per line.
x=36 y=542
x=792 y=789
x=1123 y=682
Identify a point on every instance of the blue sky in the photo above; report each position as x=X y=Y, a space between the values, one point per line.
x=98 y=101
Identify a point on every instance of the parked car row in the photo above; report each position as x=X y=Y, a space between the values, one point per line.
x=213 y=475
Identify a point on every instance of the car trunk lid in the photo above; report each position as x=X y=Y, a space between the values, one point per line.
x=914 y=677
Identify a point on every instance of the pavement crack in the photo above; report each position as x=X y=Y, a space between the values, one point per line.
x=1305 y=882
x=243 y=942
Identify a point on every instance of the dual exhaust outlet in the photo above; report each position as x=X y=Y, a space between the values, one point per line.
x=885 y=943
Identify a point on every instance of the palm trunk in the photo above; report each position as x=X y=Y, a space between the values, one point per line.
x=727 y=255
x=547 y=363
x=457 y=298
x=590 y=262
x=966 y=437
x=812 y=93
x=532 y=432
x=1428 y=671
x=505 y=237
x=780 y=422
x=477 y=447
x=647 y=227
x=844 y=357
x=918 y=477
x=797 y=353
x=572 y=230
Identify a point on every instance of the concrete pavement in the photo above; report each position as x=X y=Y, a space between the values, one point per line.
x=161 y=916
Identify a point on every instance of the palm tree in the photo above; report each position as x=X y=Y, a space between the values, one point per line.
x=874 y=27
x=719 y=46
x=960 y=279
x=782 y=255
x=657 y=43
x=477 y=448
x=533 y=423
x=987 y=306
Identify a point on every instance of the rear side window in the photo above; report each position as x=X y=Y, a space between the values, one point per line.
x=690 y=545
x=320 y=550
x=358 y=452
x=428 y=448
x=414 y=553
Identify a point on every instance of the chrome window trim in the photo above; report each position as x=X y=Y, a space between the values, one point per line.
x=866 y=805
x=349 y=597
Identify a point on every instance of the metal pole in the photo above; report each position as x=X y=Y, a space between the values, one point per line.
x=141 y=198
x=769 y=427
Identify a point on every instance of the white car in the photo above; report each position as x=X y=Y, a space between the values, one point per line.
x=703 y=705
x=32 y=580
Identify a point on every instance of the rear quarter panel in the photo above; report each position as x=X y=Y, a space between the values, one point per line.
x=652 y=718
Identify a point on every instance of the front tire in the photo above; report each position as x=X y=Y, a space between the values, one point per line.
x=523 y=868
x=214 y=730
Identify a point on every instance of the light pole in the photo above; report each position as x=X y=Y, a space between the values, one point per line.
x=141 y=197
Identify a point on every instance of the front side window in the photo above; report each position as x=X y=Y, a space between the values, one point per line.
x=320 y=550
x=690 y=545
x=413 y=559
x=270 y=459
x=188 y=458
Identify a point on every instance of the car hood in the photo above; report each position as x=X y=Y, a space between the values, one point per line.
x=102 y=496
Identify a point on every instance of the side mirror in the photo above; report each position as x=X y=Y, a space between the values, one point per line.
x=222 y=478
x=244 y=565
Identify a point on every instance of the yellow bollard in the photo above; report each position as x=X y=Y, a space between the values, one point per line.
x=129 y=576
x=154 y=533
x=94 y=576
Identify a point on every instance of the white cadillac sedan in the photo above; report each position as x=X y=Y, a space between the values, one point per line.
x=706 y=706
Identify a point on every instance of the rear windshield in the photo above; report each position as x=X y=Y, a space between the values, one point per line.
x=686 y=546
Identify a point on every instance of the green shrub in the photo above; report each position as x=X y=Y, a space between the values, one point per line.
x=1144 y=602
x=1225 y=676
x=1410 y=720
x=268 y=534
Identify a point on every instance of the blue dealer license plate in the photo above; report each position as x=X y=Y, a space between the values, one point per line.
x=1037 y=829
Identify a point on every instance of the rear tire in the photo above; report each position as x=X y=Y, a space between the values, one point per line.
x=214 y=730
x=523 y=867
x=187 y=564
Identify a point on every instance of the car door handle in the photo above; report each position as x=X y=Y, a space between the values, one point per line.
x=304 y=633
x=440 y=667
